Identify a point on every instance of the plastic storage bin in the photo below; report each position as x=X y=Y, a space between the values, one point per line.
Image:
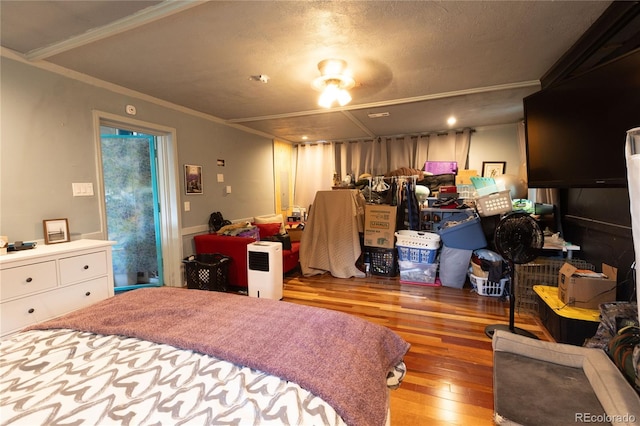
x=429 y=240
x=418 y=273
x=466 y=234
x=382 y=261
x=417 y=254
x=432 y=218
x=207 y=271
x=484 y=287
x=454 y=266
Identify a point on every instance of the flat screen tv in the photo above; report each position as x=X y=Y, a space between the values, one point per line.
x=576 y=130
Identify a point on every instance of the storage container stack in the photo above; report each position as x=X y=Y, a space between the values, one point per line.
x=460 y=234
x=379 y=227
x=417 y=256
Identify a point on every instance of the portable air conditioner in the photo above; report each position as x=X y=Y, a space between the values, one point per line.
x=264 y=260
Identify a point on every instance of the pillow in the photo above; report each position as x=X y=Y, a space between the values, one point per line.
x=271 y=219
x=268 y=229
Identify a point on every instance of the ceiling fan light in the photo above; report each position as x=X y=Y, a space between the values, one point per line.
x=333 y=83
x=332 y=66
x=343 y=97
x=328 y=96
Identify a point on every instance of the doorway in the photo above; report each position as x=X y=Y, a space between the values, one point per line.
x=140 y=157
x=129 y=174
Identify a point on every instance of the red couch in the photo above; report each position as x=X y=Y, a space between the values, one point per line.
x=236 y=249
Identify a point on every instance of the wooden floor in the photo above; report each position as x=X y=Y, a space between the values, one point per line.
x=449 y=379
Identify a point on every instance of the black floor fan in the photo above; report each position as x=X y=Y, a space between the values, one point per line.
x=518 y=239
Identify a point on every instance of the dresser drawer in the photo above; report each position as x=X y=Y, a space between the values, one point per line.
x=19 y=313
x=24 y=280
x=70 y=298
x=82 y=267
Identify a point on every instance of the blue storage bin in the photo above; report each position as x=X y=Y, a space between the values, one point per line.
x=467 y=234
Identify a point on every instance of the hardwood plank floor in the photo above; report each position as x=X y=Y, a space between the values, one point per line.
x=449 y=379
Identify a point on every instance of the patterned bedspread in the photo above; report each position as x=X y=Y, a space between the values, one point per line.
x=57 y=375
x=70 y=377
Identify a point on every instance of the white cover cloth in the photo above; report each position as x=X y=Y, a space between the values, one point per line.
x=331 y=241
x=632 y=152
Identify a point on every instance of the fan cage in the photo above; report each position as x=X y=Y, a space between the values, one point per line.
x=541 y=271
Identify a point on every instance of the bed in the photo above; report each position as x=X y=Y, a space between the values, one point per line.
x=161 y=356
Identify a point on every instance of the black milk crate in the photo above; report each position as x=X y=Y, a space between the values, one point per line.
x=542 y=271
x=383 y=261
x=207 y=271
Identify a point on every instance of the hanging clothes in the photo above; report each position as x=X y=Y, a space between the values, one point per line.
x=408 y=216
x=413 y=206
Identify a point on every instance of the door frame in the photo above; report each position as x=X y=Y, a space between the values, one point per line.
x=168 y=187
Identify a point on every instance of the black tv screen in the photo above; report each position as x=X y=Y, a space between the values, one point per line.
x=576 y=130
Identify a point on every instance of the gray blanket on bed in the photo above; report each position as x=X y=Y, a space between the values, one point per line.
x=338 y=357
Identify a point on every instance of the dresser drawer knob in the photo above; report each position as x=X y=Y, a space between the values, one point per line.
x=86 y=266
x=88 y=293
x=31 y=310
x=29 y=279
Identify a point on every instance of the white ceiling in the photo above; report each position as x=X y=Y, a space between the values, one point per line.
x=421 y=61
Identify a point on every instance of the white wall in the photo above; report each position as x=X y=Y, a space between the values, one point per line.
x=495 y=143
x=47 y=143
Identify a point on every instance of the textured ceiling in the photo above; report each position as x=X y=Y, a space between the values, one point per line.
x=421 y=61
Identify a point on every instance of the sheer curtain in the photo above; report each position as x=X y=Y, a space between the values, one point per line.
x=314 y=165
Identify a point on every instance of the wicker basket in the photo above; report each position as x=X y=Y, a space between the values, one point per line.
x=207 y=271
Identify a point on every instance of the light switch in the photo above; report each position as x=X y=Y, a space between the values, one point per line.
x=227 y=189
x=187 y=206
x=220 y=177
x=82 y=189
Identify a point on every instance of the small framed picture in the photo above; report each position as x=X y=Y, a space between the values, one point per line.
x=492 y=169
x=56 y=231
x=192 y=179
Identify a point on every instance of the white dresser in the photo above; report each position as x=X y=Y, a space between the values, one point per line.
x=52 y=280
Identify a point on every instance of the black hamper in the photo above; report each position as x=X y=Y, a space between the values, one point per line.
x=207 y=271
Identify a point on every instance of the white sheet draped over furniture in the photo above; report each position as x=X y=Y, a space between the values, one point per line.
x=632 y=152
x=330 y=241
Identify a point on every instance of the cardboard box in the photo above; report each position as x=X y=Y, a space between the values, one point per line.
x=294 y=234
x=464 y=176
x=586 y=289
x=379 y=225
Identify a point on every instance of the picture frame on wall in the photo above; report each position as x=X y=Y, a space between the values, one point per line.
x=492 y=169
x=56 y=231
x=193 y=179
